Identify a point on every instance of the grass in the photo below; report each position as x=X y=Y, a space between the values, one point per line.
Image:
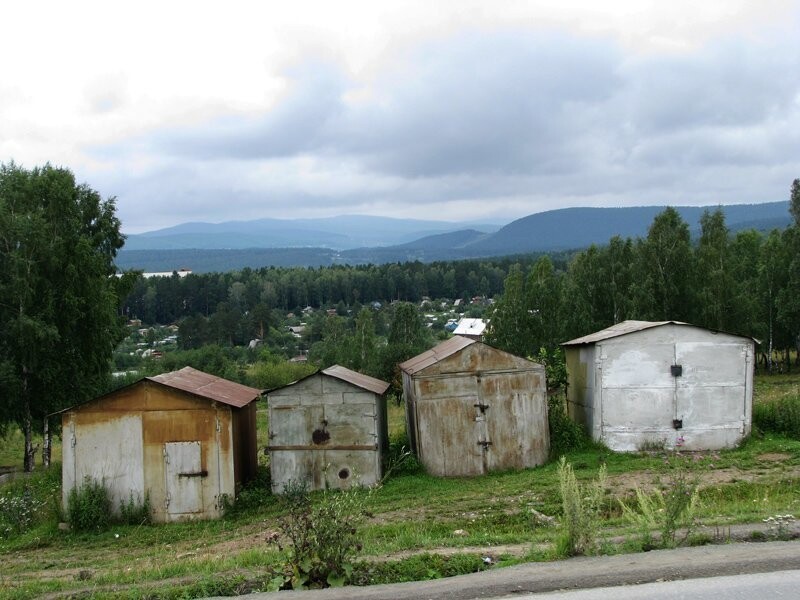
x=422 y=526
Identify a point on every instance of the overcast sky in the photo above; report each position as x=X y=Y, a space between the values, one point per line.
x=214 y=111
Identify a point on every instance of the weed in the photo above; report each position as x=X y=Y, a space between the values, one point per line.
x=400 y=460
x=253 y=496
x=136 y=511
x=779 y=526
x=669 y=509
x=582 y=505
x=418 y=568
x=779 y=416
x=28 y=502
x=323 y=538
x=89 y=506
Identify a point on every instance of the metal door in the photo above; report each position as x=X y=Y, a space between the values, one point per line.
x=184 y=478
x=710 y=389
x=449 y=431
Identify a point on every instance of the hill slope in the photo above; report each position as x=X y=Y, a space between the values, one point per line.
x=564 y=229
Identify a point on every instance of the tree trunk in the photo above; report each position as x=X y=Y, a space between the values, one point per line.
x=47 y=443
x=30 y=451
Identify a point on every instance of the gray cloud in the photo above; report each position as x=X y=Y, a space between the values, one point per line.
x=545 y=119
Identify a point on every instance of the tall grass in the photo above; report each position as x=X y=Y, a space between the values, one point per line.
x=779 y=416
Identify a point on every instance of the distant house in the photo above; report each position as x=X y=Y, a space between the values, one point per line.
x=471 y=409
x=471 y=328
x=643 y=384
x=296 y=330
x=328 y=429
x=178 y=272
x=186 y=439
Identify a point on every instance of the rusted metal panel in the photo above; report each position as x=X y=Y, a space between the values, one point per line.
x=450 y=431
x=435 y=354
x=326 y=423
x=668 y=384
x=106 y=450
x=183 y=475
x=477 y=410
x=122 y=438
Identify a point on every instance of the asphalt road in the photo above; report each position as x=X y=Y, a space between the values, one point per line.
x=580 y=573
x=782 y=585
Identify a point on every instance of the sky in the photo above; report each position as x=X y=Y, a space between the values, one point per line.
x=448 y=110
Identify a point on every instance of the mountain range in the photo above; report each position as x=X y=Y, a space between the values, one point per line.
x=204 y=247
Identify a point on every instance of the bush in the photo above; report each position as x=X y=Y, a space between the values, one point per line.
x=565 y=434
x=323 y=538
x=780 y=416
x=581 y=506
x=89 y=506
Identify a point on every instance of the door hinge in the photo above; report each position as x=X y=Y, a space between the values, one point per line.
x=485 y=444
x=167 y=499
x=166 y=455
x=481 y=406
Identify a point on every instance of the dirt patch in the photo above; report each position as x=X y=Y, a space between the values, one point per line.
x=774 y=456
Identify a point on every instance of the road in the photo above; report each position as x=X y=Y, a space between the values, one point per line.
x=580 y=573
x=781 y=584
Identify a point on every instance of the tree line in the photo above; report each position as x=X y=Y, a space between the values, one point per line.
x=747 y=284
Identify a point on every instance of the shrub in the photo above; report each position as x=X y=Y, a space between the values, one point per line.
x=778 y=416
x=565 y=434
x=323 y=538
x=89 y=506
x=582 y=506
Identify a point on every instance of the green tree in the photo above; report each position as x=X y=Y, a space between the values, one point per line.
x=714 y=283
x=794 y=202
x=59 y=298
x=510 y=325
x=665 y=269
x=543 y=299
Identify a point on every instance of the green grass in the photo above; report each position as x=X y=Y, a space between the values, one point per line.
x=418 y=522
x=12 y=445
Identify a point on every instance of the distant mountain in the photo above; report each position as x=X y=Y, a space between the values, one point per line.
x=580 y=227
x=564 y=229
x=452 y=240
x=349 y=231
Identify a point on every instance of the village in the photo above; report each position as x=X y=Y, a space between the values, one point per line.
x=399 y=301
x=194 y=445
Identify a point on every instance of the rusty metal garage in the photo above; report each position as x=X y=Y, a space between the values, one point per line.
x=471 y=409
x=184 y=438
x=641 y=384
x=328 y=430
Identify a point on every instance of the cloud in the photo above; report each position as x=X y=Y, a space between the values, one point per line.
x=486 y=121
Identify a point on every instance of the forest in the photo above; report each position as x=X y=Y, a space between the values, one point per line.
x=746 y=283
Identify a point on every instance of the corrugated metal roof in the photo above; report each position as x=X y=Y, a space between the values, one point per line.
x=435 y=354
x=359 y=379
x=623 y=328
x=208 y=386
